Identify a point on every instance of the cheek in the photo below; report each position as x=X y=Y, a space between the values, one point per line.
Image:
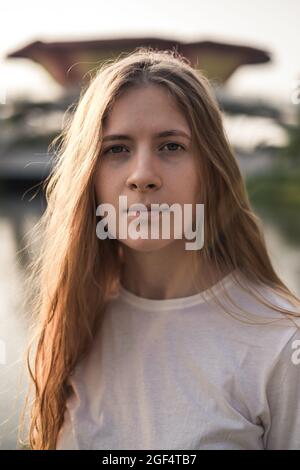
x=189 y=184
x=107 y=186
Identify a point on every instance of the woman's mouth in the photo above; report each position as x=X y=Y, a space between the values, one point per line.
x=136 y=213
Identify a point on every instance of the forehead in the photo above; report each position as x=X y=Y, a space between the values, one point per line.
x=145 y=107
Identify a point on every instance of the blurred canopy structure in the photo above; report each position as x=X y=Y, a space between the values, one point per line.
x=67 y=62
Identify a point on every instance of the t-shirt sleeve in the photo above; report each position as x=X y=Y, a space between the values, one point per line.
x=283 y=394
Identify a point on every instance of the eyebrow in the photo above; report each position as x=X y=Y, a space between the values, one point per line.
x=159 y=134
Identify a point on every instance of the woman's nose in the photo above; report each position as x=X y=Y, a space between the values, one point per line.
x=144 y=178
x=142 y=186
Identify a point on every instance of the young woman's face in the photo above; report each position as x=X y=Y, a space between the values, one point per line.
x=145 y=167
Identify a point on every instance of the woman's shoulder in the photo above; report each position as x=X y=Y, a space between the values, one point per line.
x=254 y=318
x=264 y=301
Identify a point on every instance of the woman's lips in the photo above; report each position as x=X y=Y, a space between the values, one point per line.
x=140 y=209
x=144 y=212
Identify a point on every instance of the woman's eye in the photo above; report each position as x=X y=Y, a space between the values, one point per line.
x=112 y=150
x=174 y=143
x=114 y=147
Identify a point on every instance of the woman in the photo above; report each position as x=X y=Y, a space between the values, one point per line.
x=142 y=343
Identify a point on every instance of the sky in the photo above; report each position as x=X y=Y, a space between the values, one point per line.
x=272 y=25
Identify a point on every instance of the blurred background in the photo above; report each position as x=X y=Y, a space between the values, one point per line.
x=249 y=50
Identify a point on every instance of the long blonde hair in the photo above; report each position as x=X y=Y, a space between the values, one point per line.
x=71 y=281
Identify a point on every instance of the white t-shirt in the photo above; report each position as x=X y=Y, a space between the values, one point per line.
x=183 y=374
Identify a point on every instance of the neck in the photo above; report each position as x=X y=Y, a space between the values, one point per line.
x=166 y=273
